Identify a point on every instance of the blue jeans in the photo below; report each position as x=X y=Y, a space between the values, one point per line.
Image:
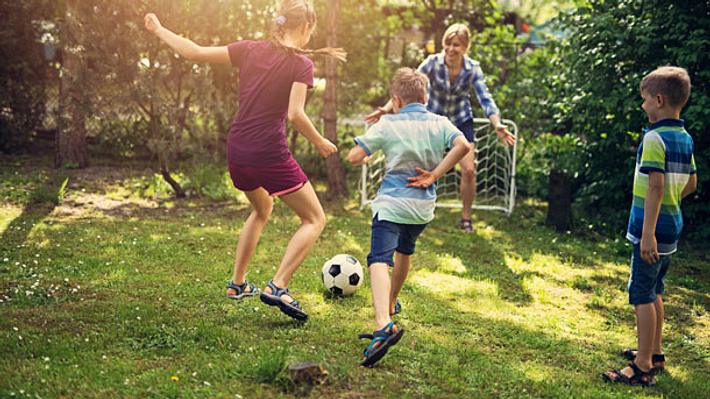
x=646 y=280
x=388 y=237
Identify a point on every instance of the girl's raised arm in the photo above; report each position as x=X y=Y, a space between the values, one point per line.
x=185 y=47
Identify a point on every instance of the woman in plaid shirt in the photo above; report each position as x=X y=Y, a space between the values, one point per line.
x=453 y=76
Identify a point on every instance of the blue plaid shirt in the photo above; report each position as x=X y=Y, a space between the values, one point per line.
x=454 y=100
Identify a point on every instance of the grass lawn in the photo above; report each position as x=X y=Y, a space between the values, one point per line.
x=113 y=294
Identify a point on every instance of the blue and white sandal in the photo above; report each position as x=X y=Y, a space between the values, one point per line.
x=241 y=290
x=292 y=309
x=381 y=340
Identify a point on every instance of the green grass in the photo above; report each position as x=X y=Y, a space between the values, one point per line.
x=113 y=294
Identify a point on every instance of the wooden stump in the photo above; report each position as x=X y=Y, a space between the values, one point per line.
x=559 y=201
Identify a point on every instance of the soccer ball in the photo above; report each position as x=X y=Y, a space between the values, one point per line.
x=342 y=274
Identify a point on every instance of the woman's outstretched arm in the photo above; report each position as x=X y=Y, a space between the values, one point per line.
x=186 y=47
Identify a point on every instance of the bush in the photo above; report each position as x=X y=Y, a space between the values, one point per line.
x=611 y=45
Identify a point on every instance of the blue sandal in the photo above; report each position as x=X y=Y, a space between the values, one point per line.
x=241 y=290
x=397 y=308
x=381 y=340
x=292 y=309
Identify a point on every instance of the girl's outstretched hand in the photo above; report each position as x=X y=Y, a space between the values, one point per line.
x=152 y=23
x=423 y=180
x=326 y=148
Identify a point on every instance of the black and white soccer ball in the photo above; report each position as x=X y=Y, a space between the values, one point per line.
x=342 y=274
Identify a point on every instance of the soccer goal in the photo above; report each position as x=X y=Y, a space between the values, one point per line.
x=495 y=171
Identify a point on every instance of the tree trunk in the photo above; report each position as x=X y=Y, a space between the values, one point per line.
x=559 y=202
x=337 y=185
x=70 y=144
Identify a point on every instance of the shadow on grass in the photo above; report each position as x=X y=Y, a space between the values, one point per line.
x=481 y=259
x=42 y=201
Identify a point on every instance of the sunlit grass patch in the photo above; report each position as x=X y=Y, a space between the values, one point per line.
x=450 y=264
x=7 y=214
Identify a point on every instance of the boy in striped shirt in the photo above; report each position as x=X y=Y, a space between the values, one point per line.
x=414 y=142
x=665 y=174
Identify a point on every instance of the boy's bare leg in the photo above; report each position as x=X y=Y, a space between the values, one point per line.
x=380 y=283
x=660 y=314
x=306 y=205
x=646 y=331
x=468 y=182
x=399 y=275
x=262 y=205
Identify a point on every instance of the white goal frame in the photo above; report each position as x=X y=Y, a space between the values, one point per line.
x=495 y=172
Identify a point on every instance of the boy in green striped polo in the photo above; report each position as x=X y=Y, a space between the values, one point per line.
x=665 y=174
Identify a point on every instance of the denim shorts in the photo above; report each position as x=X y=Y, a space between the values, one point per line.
x=646 y=280
x=467 y=129
x=388 y=237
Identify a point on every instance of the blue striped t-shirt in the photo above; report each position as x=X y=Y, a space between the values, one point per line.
x=412 y=138
x=666 y=148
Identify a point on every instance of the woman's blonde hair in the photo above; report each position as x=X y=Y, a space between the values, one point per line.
x=293 y=14
x=460 y=31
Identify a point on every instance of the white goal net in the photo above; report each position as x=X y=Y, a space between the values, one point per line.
x=495 y=171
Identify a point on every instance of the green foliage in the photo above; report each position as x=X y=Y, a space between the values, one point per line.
x=51 y=192
x=210 y=180
x=547 y=152
x=610 y=46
